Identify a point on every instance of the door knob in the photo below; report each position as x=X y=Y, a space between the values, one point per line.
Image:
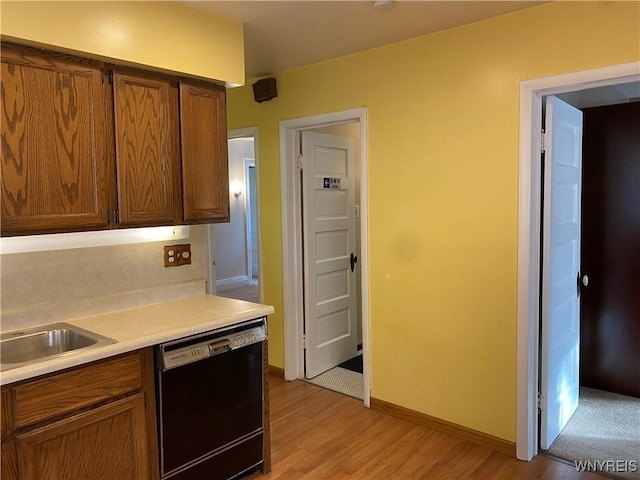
x=353 y=260
x=583 y=281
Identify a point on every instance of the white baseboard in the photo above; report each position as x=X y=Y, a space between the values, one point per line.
x=233 y=282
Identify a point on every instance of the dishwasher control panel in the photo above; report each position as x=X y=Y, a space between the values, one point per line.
x=199 y=347
x=247 y=338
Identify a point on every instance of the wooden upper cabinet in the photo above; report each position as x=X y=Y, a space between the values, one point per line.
x=147 y=150
x=55 y=151
x=82 y=153
x=205 y=164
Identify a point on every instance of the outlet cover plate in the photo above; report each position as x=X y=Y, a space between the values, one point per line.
x=177 y=255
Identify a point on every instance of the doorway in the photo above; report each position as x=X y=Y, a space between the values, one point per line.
x=592 y=411
x=295 y=301
x=529 y=245
x=234 y=247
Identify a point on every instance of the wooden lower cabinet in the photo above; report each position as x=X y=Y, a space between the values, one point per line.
x=9 y=467
x=107 y=442
x=111 y=433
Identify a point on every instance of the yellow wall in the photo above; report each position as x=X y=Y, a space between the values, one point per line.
x=443 y=191
x=164 y=35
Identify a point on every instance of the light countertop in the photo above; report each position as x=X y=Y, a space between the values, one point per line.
x=145 y=326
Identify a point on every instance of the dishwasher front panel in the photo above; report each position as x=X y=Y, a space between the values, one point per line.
x=208 y=405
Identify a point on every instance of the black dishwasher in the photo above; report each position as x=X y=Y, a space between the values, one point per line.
x=210 y=401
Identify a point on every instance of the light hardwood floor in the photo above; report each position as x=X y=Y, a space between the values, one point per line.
x=248 y=293
x=320 y=434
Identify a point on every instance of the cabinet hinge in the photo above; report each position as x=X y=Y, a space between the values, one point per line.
x=116 y=216
x=106 y=76
x=543 y=137
x=299 y=162
x=304 y=341
x=108 y=217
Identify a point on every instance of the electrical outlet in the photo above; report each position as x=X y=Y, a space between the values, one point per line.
x=176 y=255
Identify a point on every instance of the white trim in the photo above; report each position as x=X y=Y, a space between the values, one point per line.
x=291 y=240
x=243 y=133
x=211 y=254
x=248 y=162
x=531 y=93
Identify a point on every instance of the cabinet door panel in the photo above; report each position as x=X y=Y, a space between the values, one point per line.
x=205 y=164
x=54 y=144
x=147 y=153
x=8 y=455
x=106 y=443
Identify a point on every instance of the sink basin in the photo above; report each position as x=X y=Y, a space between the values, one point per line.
x=31 y=345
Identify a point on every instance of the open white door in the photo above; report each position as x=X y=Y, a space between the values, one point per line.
x=329 y=253
x=560 y=329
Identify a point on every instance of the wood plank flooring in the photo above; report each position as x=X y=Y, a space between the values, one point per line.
x=248 y=293
x=320 y=434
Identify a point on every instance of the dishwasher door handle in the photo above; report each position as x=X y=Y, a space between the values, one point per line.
x=220 y=347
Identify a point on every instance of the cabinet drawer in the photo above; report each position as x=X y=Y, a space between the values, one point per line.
x=65 y=392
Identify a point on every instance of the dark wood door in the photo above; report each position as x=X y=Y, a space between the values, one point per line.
x=147 y=151
x=610 y=304
x=55 y=150
x=205 y=163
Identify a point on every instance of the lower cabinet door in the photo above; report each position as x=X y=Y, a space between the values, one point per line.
x=109 y=442
x=9 y=468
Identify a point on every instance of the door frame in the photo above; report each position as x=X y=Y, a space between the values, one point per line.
x=211 y=271
x=529 y=220
x=247 y=163
x=292 y=260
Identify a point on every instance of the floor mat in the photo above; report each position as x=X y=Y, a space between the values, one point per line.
x=354 y=364
x=341 y=380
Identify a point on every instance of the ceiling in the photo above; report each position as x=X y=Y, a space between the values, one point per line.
x=600 y=96
x=284 y=34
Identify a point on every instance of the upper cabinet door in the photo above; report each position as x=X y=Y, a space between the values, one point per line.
x=147 y=151
x=205 y=166
x=55 y=155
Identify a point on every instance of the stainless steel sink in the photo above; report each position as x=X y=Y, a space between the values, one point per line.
x=31 y=345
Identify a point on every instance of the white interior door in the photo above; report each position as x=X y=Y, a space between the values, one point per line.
x=329 y=244
x=560 y=329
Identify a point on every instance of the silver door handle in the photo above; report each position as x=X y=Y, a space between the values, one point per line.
x=219 y=347
x=582 y=281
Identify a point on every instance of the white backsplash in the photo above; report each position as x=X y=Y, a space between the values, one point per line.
x=43 y=287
